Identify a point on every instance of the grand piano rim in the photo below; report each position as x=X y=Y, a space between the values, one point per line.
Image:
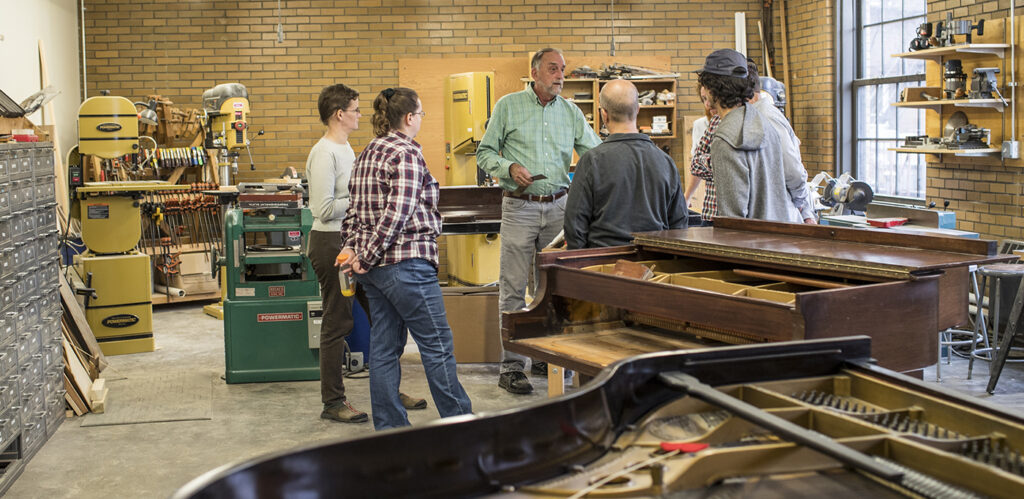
x=626 y=390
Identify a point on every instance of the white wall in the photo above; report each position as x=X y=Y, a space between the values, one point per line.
x=23 y=23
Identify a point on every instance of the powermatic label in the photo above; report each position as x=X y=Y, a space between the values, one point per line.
x=279 y=317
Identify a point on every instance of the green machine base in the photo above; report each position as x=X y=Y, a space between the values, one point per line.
x=268 y=341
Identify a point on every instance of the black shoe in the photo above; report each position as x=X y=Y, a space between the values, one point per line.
x=540 y=368
x=515 y=382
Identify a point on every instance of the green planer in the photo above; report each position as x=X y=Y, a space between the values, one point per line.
x=271 y=287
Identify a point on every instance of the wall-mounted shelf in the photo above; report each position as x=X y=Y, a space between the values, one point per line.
x=944 y=151
x=936 y=105
x=936 y=54
x=571 y=86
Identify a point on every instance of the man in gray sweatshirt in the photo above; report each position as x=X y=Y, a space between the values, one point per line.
x=746 y=152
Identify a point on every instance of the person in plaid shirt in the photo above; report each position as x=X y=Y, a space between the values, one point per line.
x=700 y=165
x=390 y=236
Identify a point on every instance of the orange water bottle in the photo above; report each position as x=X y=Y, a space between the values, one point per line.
x=348 y=286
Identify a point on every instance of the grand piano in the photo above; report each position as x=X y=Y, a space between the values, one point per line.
x=749 y=281
x=812 y=418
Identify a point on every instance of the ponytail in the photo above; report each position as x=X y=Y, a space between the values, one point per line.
x=390 y=108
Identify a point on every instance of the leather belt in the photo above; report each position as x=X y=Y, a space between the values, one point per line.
x=538 y=199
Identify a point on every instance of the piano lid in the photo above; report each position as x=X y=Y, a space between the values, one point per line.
x=865 y=252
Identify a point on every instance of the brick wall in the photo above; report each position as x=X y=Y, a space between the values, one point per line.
x=179 y=49
x=986 y=196
x=811 y=33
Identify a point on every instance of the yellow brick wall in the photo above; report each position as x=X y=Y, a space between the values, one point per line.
x=179 y=49
x=812 y=68
x=986 y=196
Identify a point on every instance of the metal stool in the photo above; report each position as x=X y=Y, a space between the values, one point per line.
x=995 y=272
x=948 y=337
x=1012 y=331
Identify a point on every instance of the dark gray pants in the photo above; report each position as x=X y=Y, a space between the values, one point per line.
x=337 y=320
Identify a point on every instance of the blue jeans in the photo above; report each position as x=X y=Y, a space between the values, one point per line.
x=406 y=296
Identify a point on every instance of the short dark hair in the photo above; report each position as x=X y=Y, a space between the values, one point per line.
x=538 y=55
x=334 y=97
x=727 y=91
x=390 y=108
x=755 y=79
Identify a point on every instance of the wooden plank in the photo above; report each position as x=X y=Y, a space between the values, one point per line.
x=785 y=61
x=556 y=380
x=98 y=396
x=79 y=326
x=161 y=298
x=602 y=348
x=806 y=281
x=81 y=381
x=83 y=357
x=73 y=398
x=49 y=112
x=828 y=233
x=176 y=175
x=211 y=163
x=98 y=388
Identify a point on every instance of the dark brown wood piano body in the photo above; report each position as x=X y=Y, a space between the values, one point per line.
x=901 y=289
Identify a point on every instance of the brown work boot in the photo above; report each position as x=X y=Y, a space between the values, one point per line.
x=412 y=403
x=345 y=413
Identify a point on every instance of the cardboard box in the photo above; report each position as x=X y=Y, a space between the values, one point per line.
x=473 y=317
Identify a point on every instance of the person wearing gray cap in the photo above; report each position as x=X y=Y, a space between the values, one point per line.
x=745 y=153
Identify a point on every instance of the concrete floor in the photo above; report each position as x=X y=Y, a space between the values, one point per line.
x=153 y=460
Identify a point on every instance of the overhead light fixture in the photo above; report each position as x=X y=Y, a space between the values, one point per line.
x=148 y=114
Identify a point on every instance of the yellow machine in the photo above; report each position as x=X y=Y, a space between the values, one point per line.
x=117 y=278
x=225 y=125
x=469 y=99
x=108 y=127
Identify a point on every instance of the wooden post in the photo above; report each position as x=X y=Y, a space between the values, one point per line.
x=58 y=165
x=785 y=61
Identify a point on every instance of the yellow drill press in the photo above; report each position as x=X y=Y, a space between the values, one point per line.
x=225 y=125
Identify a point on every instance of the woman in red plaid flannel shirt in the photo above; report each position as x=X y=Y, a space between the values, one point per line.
x=391 y=229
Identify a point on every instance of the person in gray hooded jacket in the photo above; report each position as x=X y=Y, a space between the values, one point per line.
x=746 y=152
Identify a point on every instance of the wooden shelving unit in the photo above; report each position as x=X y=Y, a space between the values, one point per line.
x=985 y=113
x=648 y=112
x=944 y=151
x=939 y=53
x=574 y=86
x=936 y=105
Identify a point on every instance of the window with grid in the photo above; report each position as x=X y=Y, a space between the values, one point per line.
x=886 y=27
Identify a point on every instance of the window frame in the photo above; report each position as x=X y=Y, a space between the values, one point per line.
x=849 y=57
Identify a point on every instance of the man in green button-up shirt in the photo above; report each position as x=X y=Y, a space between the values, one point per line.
x=531 y=133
